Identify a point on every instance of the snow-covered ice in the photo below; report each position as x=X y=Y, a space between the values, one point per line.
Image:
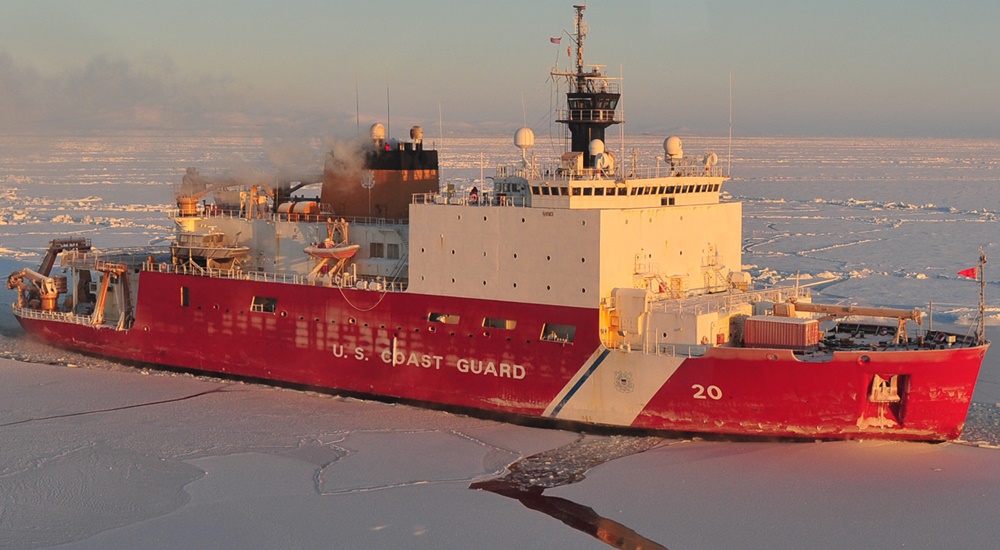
x=99 y=455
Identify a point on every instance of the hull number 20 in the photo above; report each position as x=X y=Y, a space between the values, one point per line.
x=711 y=392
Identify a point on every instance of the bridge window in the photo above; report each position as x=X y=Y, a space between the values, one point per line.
x=392 y=251
x=376 y=250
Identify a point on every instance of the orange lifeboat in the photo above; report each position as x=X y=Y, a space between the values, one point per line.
x=328 y=250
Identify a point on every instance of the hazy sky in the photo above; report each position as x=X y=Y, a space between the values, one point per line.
x=805 y=68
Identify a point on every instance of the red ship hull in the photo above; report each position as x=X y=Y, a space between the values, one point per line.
x=383 y=343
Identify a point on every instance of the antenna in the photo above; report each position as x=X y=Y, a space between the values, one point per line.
x=388 y=116
x=621 y=103
x=981 y=336
x=357 y=103
x=729 y=169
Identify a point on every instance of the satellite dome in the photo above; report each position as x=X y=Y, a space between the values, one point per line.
x=596 y=147
x=524 y=138
x=672 y=147
x=417 y=133
x=378 y=132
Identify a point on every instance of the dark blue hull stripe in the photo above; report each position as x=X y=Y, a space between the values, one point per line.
x=576 y=387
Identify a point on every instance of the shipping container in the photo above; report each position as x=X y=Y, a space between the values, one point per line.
x=769 y=331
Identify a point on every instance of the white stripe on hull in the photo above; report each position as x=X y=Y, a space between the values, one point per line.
x=613 y=387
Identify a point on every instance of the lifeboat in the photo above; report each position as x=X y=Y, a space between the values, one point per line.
x=330 y=251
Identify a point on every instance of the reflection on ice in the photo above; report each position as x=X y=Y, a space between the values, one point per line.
x=528 y=478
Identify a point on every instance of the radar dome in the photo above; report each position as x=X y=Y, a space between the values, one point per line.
x=672 y=147
x=596 y=147
x=378 y=132
x=524 y=138
x=417 y=133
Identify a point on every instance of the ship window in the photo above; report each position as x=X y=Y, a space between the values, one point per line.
x=634 y=190
x=670 y=189
x=262 y=304
x=505 y=324
x=622 y=191
x=715 y=187
x=588 y=191
x=446 y=318
x=552 y=332
x=599 y=192
x=376 y=250
x=545 y=190
x=185 y=297
x=535 y=190
x=392 y=251
x=576 y=192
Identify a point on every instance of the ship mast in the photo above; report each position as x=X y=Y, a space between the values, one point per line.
x=592 y=100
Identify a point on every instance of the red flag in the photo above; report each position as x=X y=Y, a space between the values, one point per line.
x=556 y=40
x=972 y=273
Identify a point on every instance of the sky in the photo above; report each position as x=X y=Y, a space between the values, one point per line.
x=798 y=68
